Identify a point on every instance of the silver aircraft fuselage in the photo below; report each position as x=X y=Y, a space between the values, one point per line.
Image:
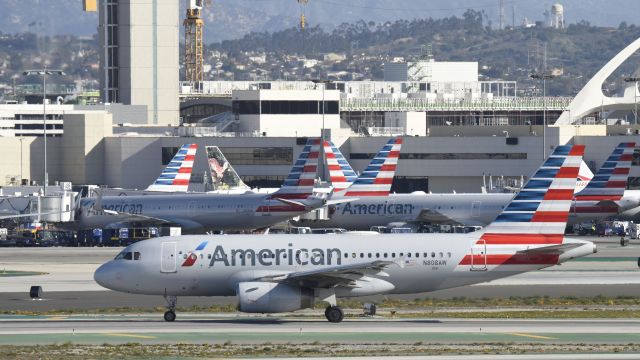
x=194 y=212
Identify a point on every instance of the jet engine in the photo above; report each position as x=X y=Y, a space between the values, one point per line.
x=266 y=297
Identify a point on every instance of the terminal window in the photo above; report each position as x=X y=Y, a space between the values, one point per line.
x=259 y=155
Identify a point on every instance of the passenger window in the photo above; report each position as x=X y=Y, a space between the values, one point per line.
x=385 y=255
x=208 y=256
x=136 y=256
x=353 y=255
x=433 y=254
x=393 y=255
x=361 y=255
x=449 y=254
x=401 y=254
x=417 y=254
x=346 y=255
x=369 y=255
x=184 y=256
x=425 y=255
x=377 y=255
x=408 y=254
x=441 y=255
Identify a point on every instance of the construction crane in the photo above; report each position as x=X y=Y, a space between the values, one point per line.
x=303 y=19
x=193 y=27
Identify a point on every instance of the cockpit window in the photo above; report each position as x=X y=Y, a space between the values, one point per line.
x=128 y=255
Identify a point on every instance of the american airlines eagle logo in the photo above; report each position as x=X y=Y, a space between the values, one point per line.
x=192 y=256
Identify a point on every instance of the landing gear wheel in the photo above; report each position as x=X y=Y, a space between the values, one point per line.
x=334 y=314
x=169 y=316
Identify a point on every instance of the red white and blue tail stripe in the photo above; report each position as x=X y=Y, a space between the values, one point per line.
x=377 y=178
x=176 y=175
x=341 y=174
x=540 y=210
x=300 y=181
x=529 y=233
x=610 y=181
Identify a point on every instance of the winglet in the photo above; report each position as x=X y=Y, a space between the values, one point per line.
x=176 y=175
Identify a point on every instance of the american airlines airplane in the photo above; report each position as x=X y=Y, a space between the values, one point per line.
x=281 y=273
x=376 y=208
x=198 y=212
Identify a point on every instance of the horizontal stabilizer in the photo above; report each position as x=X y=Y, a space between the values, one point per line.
x=551 y=250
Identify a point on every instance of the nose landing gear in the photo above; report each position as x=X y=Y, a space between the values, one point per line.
x=170 y=314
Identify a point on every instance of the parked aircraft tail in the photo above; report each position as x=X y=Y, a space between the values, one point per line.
x=176 y=175
x=377 y=177
x=610 y=181
x=341 y=174
x=300 y=181
x=223 y=175
x=539 y=212
x=584 y=176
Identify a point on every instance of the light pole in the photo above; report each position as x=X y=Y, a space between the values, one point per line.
x=543 y=77
x=21 y=177
x=322 y=131
x=635 y=94
x=44 y=72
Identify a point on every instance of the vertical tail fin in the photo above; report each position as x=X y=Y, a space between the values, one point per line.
x=610 y=181
x=341 y=174
x=539 y=213
x=377 y=178
x=223 y=175
x=584 y=176
x=299 y=184
x=176 y=175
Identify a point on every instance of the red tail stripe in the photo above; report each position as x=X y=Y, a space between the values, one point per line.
x=313 y=155
x=329 y=155
x=180 y=182
x=190 y=260
x=568 y=172
x=388 y=167
x=598 y=197
x=550 y=216
x=398 y=141
x=616 y=184
x=626 y=157
x=306 y=182
x=334 y=167
x=184 y=170
x=189 y=158
x=621 y=171
x=511 y=259
x=577 y=150
x=309 y=168
x=559 y=194
x=520 y=239
x=193 y=146
x=367 y=193
x=384 y=181
x=338 y=179
x=393 y=154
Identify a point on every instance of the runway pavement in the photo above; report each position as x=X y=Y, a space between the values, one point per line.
x=216 y=328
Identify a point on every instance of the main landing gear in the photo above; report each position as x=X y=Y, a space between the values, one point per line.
x=170 y=314
x=334 y=314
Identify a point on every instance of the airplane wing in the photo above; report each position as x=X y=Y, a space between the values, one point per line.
x=138 y=217
x=435 y=217
x=550 y=250
x=329 y=277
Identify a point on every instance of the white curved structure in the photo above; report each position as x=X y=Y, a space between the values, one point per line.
x=591 y=99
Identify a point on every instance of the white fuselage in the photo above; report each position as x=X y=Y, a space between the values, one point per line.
x=194 y=212
x=424 y=262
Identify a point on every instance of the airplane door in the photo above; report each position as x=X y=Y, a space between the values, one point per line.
x=169 y=259
x=479 y=256
x=475 y=208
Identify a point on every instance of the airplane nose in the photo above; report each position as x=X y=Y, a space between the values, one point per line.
x=106 y=276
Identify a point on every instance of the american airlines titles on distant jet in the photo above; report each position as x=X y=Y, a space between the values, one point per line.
x=281 y=273
x=197 y=212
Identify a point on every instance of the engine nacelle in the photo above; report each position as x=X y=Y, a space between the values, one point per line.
x=267 y=297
